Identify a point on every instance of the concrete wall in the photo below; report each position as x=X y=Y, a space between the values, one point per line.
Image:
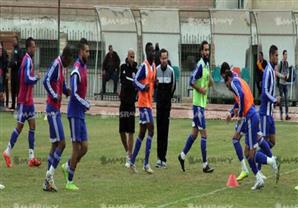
x=184 y=4
x=271 y=4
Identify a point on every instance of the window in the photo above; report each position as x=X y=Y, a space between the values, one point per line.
x=189 y=56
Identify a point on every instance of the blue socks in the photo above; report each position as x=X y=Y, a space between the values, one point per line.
x=203 y=149
x=13 y=138
x=136 y=150
x=252 y=165
x=50 y=161
x=137 y=147
x=56 y=158
x=31 y=138
x=238 y=149
x=148 y=148
x=188 y=144
x=260 y=158
x=70 y=172
x=264 y=145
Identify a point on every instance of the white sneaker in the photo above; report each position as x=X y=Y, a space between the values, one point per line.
x=49 y=184
x=259 y=182
x=148 y=169
x=163 y=164
x=127 y=163
x=262 y=175
x=2 y=187
x=133 y=168
x=158 y=164
x=276 y=168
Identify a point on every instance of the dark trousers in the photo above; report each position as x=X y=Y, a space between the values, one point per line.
x=110 y=75
x=163 y=122
x=259 y=86
x=283 y=92
x=14 y=89
x=6 y=91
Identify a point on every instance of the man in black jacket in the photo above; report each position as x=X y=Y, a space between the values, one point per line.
x=127 y=105
x=261 y=65
x=110 y=70
x=165 y=89
x=14 y=66
x=3 y=72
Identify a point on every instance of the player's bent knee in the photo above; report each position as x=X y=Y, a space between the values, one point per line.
x=237 y=136
x=246 y=151
x=84 y=147
x=19 y=127
x=203 y=134
x=61 y=145
x=151 y=133
x=141 y=136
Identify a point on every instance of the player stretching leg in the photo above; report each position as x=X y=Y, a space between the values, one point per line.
x=55 y=86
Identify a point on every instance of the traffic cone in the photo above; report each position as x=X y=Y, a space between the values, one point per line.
x=232 y=182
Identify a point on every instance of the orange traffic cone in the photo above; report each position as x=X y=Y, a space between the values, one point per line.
x=232 y=182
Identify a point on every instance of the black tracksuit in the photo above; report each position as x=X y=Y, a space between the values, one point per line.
x=14 y=78
x=127 y=98
x=165 y=90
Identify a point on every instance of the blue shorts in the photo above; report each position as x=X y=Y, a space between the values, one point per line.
x=78 y=129
x=198 y=117
x=267 y=125
x=55 y=126
x=146 y=116
x=240 y=127
x=25 y=112
x=252 y=126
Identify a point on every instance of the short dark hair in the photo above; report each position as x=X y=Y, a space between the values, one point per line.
x=110 y=46
x=224 y=67
x=163 y=51
x=29 y=42
x=67 y=52
x=82 y=43
x=228 y=74
x=204 y=42
x=148 y=45
x=157 y=46
x=284 y=51
x=261 y=53
x=272 y=49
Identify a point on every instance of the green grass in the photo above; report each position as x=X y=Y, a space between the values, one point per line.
x=106 y=183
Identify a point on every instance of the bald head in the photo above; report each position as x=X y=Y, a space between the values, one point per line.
x=130 y=56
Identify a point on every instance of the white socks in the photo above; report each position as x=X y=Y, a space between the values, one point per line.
x=270 y=160
x=243 y=166
x=8 y=149
x=51 y=171
x=182 y=155
x=31 y=154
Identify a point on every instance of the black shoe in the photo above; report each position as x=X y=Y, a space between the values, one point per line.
x=208 y=169
x=288 y=118
x=181 y=161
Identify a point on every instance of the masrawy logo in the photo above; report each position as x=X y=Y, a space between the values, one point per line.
x=280 y=205
x=17 y=205
x=210 y=206
x=122 y=206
